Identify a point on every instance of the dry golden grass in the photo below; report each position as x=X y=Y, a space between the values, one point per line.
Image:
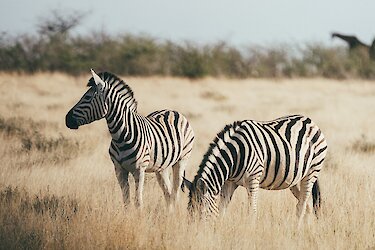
x=58 y=188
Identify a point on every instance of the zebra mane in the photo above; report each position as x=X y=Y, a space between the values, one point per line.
x=113 y=81
x=213 y=145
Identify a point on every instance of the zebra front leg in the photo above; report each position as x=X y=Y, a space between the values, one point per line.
x=226 y=195
x=252 y=191
x=165 y=184
x=122 y=178
x=139 y=179
x=178 y=173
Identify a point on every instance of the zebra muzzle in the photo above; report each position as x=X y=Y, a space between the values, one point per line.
x=70 y=122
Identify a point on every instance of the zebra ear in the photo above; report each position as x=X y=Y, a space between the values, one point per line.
x=186 y=183
x=98 y=81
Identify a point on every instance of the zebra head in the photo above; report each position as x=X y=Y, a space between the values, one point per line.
x=91 y=107
x=202 y=202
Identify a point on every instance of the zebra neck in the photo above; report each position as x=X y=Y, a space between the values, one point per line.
x=122 y=125
x=217 y=164
x=214 y=170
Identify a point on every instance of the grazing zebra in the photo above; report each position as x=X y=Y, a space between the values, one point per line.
x=284 y=153
x=155 y=143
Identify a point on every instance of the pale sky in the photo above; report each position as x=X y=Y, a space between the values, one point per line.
x=239 y=22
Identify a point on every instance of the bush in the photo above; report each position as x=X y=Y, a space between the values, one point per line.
x=27 y=131
x=363 y=146
x=189 y=62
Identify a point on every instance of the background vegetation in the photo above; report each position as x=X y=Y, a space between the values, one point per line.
x=54 y=48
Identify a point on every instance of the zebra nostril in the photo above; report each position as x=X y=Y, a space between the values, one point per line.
x=70 y=122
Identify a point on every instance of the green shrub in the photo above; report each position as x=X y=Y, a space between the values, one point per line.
x=189 y=62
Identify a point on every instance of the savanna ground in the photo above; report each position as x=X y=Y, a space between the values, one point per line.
x=58 y=187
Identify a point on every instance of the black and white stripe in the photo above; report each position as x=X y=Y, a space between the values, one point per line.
x=284 y=153
x=161 y=141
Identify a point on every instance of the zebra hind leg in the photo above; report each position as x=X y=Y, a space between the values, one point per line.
x=165 y=184
x=296 y=192
x=178 y=173
x=304 y=195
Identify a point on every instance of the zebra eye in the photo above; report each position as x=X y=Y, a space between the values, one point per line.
x=88 y=97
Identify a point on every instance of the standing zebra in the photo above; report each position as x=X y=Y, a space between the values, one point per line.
x=284 y=153
x=155 y=143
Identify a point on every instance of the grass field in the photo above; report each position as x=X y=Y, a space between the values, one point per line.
x=58 y=187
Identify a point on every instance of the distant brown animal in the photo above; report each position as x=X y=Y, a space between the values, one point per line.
x=354 y=43
x=372 y=50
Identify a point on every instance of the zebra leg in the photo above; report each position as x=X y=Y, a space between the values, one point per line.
x=165 y=184
x=139 y=179
x=226 y=195
x=252 y=191
x=304 y=195
x=122 y=178
x=296 y=191
x=178 y=173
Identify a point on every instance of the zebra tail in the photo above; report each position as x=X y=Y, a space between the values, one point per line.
x=316 y=198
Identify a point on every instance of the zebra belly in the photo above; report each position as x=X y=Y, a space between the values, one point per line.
x=129 y=160
x=160 y=160
x=281 y=177
x=155 y=168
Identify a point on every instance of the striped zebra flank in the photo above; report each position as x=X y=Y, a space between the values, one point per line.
x=284 y=153
x=159 y=142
